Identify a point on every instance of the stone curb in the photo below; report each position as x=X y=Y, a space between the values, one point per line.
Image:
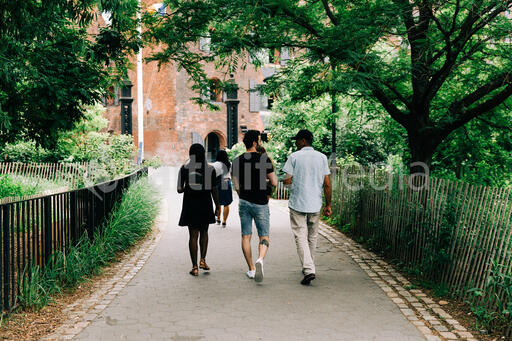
x=422 y=311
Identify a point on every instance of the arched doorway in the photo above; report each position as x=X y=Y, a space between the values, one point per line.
x=212 y=144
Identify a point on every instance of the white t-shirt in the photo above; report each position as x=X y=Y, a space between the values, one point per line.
x=221 y=170
x=308 y=168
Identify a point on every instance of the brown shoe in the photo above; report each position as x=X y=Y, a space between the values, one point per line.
x=203 y=265
x=194 y=271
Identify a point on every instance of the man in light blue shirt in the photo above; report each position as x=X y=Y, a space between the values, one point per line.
x=307 y=171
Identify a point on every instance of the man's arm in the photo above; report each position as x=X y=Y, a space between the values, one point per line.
x=288 y=179
x=288 y=170
x=328 y=195
x=273 y=178
x=235 y=183
x=215 y=196
x=181 y=182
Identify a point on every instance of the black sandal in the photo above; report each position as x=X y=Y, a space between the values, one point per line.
x=224 y=224
x=194 y=271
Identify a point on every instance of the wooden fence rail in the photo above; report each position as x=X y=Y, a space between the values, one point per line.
x=457 y=234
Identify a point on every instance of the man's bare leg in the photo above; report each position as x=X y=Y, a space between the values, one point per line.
x=263 y=247
x=246 y=249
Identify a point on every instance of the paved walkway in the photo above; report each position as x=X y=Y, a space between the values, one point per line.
x=163 y=302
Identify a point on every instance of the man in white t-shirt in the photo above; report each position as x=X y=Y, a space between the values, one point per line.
x=307 y=171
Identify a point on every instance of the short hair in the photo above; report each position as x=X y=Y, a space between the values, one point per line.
x=250 y=137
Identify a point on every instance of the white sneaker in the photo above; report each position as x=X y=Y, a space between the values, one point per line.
x=258 y=277
x=251 y=273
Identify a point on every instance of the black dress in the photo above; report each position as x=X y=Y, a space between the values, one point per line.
x=197 y=210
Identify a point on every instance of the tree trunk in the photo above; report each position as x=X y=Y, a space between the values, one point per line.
x=422 y=149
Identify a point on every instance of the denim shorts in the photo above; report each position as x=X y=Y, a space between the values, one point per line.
x=261 y=215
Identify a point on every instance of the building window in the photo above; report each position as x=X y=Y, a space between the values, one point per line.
x=204 y=44
x=258 y=101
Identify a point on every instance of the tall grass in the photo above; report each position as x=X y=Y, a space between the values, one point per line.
x=129 y=222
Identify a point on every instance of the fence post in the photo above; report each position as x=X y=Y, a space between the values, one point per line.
x=73 y=204
x=6 y=244
x=47 y=229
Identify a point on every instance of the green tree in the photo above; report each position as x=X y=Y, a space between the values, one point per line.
x=53 y=62
x=433 y=66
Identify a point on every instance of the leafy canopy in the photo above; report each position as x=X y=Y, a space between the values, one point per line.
x=53 y=62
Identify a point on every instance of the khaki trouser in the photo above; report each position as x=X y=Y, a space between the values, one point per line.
x=305 y=230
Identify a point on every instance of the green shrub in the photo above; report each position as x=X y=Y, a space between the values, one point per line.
x=154 y=162
x=111 y=155
x=26 y=151
x=129 y=222
x=11 y=188
x=236 y=150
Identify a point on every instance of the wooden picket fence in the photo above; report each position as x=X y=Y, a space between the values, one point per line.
x=67 y=173
x=281 y=192
x=458 y=234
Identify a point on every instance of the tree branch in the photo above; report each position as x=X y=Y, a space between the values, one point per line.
x=466 y=32
x=299 y=21
x=482 y=91
x=393 y=111
x=329 y=13
x=494 y=125
x=398 y=95
x=464 y=116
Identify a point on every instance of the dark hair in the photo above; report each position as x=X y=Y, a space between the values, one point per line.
x=250 y=137
x=197 y=153
x=222 y=156
x=197 y=177
x=260 y=149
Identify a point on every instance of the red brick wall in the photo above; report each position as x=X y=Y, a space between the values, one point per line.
x=173 y=117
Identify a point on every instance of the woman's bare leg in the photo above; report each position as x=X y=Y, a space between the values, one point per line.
x=225 y=213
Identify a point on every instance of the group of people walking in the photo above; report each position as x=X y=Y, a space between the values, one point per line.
x=253 y=176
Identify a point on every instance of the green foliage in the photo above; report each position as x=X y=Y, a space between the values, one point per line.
x=154 y=162
x=130 y=221
x=11 y=188
x=71 y=143
x=17 y=185
x=25 y=151
x=236 y=150
x=53 y=64
x=496 y=293
x=109 y=155
x=480 y=153
x=430 y=66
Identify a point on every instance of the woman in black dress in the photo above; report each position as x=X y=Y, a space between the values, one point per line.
x=222 y=166
x=197 y=181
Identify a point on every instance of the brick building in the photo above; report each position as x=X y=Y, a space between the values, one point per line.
x=172 y=121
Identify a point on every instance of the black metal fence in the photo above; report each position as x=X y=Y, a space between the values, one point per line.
x=32 y=230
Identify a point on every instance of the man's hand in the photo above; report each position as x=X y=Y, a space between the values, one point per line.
x=327 y=211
